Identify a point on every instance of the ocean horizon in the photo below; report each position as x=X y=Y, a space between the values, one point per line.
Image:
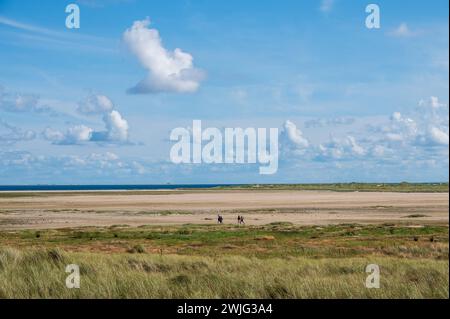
x=105 y=187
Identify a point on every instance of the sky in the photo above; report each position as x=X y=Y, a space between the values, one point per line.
x=96 y=104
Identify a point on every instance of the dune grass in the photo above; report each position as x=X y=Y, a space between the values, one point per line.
x=278 y=260
x=41 y=274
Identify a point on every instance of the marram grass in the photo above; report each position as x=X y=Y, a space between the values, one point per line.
x=40 y=273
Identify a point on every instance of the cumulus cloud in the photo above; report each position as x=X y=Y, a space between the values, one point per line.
x=47 y=168
x=355 y=148
x=116 y=127
x=437 y=136
x=74 y=135
x=401 y=129
x=53 y=135
x=432 y=102
x=420 y=135
x=79 y=133
x=294 y=136
x=429 y=127
x=168 y=71
x=10 y=134
x=19 y=102
x=344 y=148
x=95 y=104
x=116 y=131
x=335 y=149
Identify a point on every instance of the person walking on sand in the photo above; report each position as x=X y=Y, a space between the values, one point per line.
x=239 y=219
x=242 y=220
x=219 y=219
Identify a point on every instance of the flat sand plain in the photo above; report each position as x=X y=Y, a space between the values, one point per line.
x=79 y=209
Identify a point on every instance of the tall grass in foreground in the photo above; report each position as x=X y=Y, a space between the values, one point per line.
x=41 y=274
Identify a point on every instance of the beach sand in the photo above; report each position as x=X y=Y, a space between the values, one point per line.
x=78 y=209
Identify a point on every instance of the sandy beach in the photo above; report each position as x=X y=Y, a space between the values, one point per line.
x=75 y=209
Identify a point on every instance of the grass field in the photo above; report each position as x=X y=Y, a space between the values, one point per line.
x=279 y=260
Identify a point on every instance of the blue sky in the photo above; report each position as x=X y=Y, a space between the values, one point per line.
x=92 y=105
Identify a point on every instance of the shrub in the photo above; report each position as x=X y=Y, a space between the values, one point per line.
x=136 y=249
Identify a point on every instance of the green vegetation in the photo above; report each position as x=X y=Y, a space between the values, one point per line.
x=416 y=216
x=351 y=187
x=279 y=260
x=273 y=240
x=337 y=187
x=40 y=274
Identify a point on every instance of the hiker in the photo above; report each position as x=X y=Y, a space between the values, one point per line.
x=239 y=219
x=219 y=219
x=242 y=220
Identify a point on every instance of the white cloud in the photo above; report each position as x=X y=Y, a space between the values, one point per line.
x=355 y=148
x=337 y=149
x=116 y=131
x=95 y=104
x=116 y=126
x=17 y=167
x=428 y=127
x=402 y=128
x=433 y=102
x=438 y=136
x=19 y=102
x=167 y=71
x=74 y=135
x=79 y=133
x=10 y=134
x=433 y=136
x=294 y=135
x=53 y=135
x=418 y=136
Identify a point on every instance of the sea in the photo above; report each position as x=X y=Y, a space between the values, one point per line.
x=105 y=187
